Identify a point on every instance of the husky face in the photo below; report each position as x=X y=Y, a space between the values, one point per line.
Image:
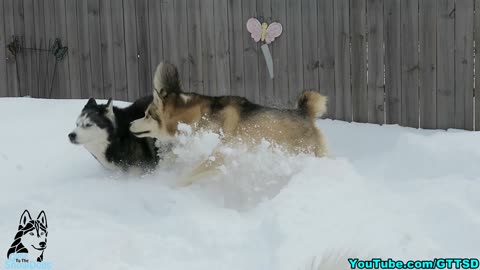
x=154 y=123
x=94 y=124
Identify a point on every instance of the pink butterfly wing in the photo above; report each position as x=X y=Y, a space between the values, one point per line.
x=273 y=31
x=255 y=28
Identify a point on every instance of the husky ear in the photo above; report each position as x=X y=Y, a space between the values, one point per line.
x=110 y=105
x=109 y=110
x=91 y=102
x=25 y=218
x=158 y=96
x=43 y=219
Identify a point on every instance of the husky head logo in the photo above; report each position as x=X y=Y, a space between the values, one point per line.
x=31 y=237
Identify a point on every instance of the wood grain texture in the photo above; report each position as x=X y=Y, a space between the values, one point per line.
x=106 y=45
x=95 y=48
x=195 y=47
x=326 y=53
x=311 y=61
x=61 y=83
x=21 y=59
x=409 y=50
x=222 y=57
x=464 y=64
x=445 y=66
x=343 y=95
x=131 y=50
x=29 y=78
x=208 y=47
x=39 y=58
x=295 y=50
x=358 y=28
x=279 y=55
x=85 y=56
x=265 y=83
x=251 y=52
x=120 y=78
x=235 y=44
x=393 y=83
x=12 y=76
x=74 y=52
x=428 y=63
x=376 y=61
x=143 y=44
x=477 y=64
x=3 y=53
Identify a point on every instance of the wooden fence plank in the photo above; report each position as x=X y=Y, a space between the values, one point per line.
x=19 y=28
x=343 y=94
x=279 y=55
x=106 y=44
x=222 y=59
x=376 y=83
x=12 y=77
x=195 y=46
x=73 y=49
x=62 y=77
x=235 y=43
x=29 y=42
x=39 y=58
x=477 y=64
x=310 y=48
x=131 y=49
x=326 y=53
x=359 y=60
x=95 y=48
x=464 y=64
x=251 y=51
x=83 y=37
x=445 y=68
x=294 y=52
x=155 y=29
x=393 y=83
x=409 y=37
x=174 y=15
x=265 y=83
x=51 y=69
x=144 y=72
x=428 y=63
x=208 y=47
x=3 y=55
x=120 y=81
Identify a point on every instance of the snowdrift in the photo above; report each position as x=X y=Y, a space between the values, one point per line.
x=384 y=192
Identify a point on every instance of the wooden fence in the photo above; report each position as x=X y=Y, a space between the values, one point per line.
x=409 y=62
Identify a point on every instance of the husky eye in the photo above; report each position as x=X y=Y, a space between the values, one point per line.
x=88 y=125
x=42 y=233
x=31 y=233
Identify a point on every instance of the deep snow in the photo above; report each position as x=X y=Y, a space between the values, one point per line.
x=386 y=191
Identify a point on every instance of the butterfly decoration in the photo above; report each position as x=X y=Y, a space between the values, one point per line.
x=267 y=34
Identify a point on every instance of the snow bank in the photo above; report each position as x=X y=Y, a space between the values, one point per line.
x=384 y=192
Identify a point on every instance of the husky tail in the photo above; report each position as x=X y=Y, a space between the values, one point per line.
x=312 y=104
x=166 y=78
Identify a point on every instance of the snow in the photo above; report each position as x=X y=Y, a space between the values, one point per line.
x=385 y=191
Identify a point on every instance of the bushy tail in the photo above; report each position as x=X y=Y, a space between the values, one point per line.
x=166 y=78
x=312 y=104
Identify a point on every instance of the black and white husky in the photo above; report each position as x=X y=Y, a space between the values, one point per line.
x=31 y=237
x=103 y=130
